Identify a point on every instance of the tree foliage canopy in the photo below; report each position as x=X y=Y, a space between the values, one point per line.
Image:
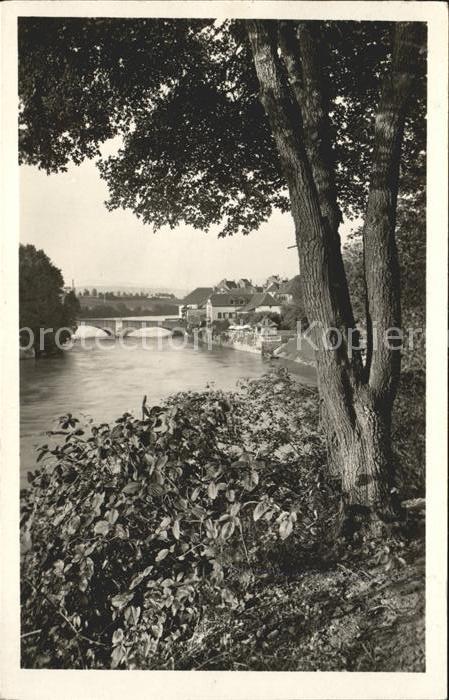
x=41 y=303
x=183 y=97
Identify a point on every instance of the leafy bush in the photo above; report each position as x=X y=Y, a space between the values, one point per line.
x=136 y=527
x=220 y=326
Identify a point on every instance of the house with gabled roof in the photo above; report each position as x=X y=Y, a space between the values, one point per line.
x=195 y=302
x=284 y=292
x=225 y=306
x=245 y=283
x=272 y=280
x=262 y=302
x=266 y=328
x=273 y=287
x=226 y=286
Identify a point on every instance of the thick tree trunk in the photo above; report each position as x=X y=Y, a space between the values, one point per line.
x=357 y=426
x=301 y=59
x=381 y=258
x=363 y=455
x=357 y=400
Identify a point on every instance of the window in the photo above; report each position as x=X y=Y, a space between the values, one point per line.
x=219 y=314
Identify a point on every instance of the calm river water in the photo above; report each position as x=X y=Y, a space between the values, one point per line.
x=102 y=382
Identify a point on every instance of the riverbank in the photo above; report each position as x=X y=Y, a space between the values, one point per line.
x=291 y=349
x=296 y=350
x=256 y=580
x=301 y=363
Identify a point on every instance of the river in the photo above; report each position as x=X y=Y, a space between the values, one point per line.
x=103 y=380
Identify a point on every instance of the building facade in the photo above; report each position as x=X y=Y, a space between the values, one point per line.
x=221 y=307
x=194 y=304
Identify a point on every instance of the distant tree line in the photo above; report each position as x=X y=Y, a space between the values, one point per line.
x=121 y=309
x=112 y=295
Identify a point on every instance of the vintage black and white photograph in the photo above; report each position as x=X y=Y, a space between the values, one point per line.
x=222 y=325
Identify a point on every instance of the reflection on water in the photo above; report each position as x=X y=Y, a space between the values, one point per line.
x=103 y=382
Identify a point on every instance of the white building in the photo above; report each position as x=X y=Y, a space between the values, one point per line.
x=195 y=301
x=221 y=307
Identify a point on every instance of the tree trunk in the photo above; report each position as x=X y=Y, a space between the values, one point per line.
x=301 y=58
x=357 y=400
x=364 y=458
x=380 y=252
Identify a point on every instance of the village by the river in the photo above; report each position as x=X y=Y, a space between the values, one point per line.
x=218 y=337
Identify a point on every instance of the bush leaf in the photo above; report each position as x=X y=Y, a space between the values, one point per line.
x=162 y=554
x=101 y=527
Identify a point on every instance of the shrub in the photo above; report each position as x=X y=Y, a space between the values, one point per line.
x=135 y=527
x=220 y=326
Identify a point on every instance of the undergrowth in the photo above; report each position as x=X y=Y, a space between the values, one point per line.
x=196 y=537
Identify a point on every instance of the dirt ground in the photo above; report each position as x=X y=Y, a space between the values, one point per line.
x=352 y=616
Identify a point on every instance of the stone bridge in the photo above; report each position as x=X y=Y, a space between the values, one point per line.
x=116 y=327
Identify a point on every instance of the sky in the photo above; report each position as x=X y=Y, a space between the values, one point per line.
x=64 y=214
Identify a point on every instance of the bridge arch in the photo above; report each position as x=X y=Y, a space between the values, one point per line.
x=140 y=332
x=108 y=331
x=86 y=323
x=116 y=327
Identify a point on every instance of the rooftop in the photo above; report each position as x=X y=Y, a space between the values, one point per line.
x=286 y=287
x=199 y=296
x=237 y=298
x=231 y=284
x=260 y=299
